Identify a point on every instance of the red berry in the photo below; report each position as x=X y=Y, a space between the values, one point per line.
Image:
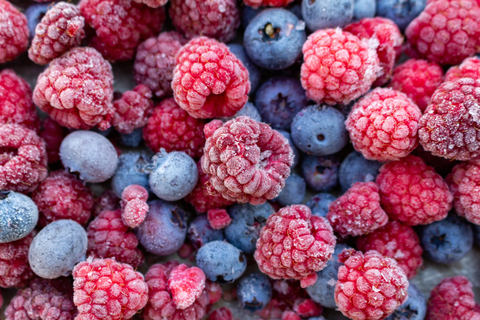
x=13 y=33
x=133 y=109
x=218 y=218
x=221 y=314
x=134 y=205
x=14 y=267
x=186 y=285
x=186 y=251
x=273 y=310
x=153 y=3
x=307 y=308
x=108 y=201
x=290 y=315
x=53 y=134
x=469 y=68
x=267 y=3
x=214 y=291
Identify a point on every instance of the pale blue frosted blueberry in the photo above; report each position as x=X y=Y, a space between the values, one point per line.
x=18 y=216
x=130 y=171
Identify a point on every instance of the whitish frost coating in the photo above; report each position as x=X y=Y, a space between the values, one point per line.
x=18 y=216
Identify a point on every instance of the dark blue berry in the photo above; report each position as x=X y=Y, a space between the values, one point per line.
x=253 y=71
x=402 y=12
x=296 y=153
x=415 y=308
x=248 y=110
x=296 y=9
x=133 y=139
x=319 y=203
x=293 y=192
x=130 y=171
x=320 y=173
x=364 y=9
x=248 y=14
x=355 y=168
x=18 y=216
x=200 y=232
x=34 y=14
x=254 y=291
x=322 y=14
x=476 y=233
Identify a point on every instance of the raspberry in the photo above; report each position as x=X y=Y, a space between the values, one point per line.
x=383 y=125
x=53 y=134
x=63 y=196
x=108 y=237
x=153 y=3
x=412 y=192
x=218 y=218
x=13 y=32
x=338 y=67
x=397 y=241
x=108 y=201
x=294 y=245
x=105 y=287
x=155 y=61
x=469 y=68
x=418 y=79
x=133 y=109
x=247 y=160
x=214 y=291
x=173 y=129
x=217 y=19
x=221 y=314
x=446 y=32
x=14 y=267
x=390 y=40
x=369 y=286
x=134 y=205
x=60 y=29
x=307 y=308
x=186 y=285
x=358 y=211
x=120 y=25
x=23 y=159
x=82 y=96
x=208 y=80
x=16 y=105
x=290 y=315
x=267 y=3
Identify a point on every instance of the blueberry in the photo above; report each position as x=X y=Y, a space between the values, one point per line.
x=293 y=192
x=319 y=203
x=248 y=14
x=90 y=154
x=320 y=173
x=476 y=233
x=253 y=71
x=130 y=171
x=164 y=229
x=254 y=291
x=447 y=240
x=200 y=232
x=274 y=39
x=18 y=216
x=364 y=9
x=415 y=308
x=355 y=168
x=248 y=110
x=319 y=130
x=296 y=9
x=57 y=248
x=322 y=14
x=296 y=153
x=247 y=221
x=34 y=14
x=402 y=12
x=133 y=139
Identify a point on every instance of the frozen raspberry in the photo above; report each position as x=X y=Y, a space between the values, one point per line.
x=108 y=237
x=389 y=38
x=469 y=68
x=16 y=105
x=155 y=61
x=173 y=129
x=418 y=79
x=295 y=245
x=186 y=251
x=23 y=159
x=214 y=291
x=338 y=67
x=383 y=125
x=358 y=211
x=153 y=3
x=133 y=109
x=76 y=90
x=120 y=25
x=63 y=196
x=397 y=241
x=14 y=267
x=267 y=3
x=108 y=201
x=221 y=314
x=217 y=19
x=446 y=32
x=186 y=285
x=53 y=134
x=208 y=80
x=60 y=29
x=134 y=205
x=307 y=308
x=105 y=287
x=247 y=160
x=290 y=315
x=13 y=32
x=218 y=218
x=412 y=192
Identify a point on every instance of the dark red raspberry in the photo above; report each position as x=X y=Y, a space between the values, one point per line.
x=290 y=315
x=133 y=109
x=412 y=192
x=173 y=129
x=307 y=308
x=267 y=3
x=108 y=201
x=218 y=218
x=120 y=25
x=221 y=314
x=53 y=134
x=13 y=33
x=273 y=310
x=134 y=205
x=469 y=68
x=338 y=66
x=209 y=81
x=14 y=267
x=294 y=245
x=247 y=160
x=214 y=291
x=418 y=79
x=76 y=90
x=153 y=3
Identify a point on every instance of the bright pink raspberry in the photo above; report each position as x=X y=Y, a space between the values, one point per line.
x=267 y=3
x=153 y=3
x=208 y=80
x=218 y=218
x=133 y=109
x=358 y=211
x=186 y=285
x=134 y=205
x=221 y=314
x=383 y=125
x=217 y=19
x=247 y=160
x=338 y=67
x=294 y=245
x=307 y=308
x=108 y=237
x=14 y=267
x=63 y=196
x=173 y=129
x=290 y=315
x=412 y=192
x=53 y=133
x=418 y=79
x=370 y=286
x=469 y=68
x=108 y=201
x=397 y=241
x=76 y=90
x=13 y=33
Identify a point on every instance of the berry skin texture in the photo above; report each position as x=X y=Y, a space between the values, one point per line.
x=355 y=168
x=201 y=232
x=133 y=109
x=14 y=268
x=153 y=3
x=267 y=3
x=14 y=32
x=254 y=291
x=358 y=211
x=221 y=314
x=134 y=205
x=208 y=80
x=412 y=192
x=338 y=67
x=218 y=218
x=53 y=134
x=106 y=288
x=248 y=161
x=18 y=216
x=295 y=245
x=186 y=285
x=383 y=125
x=469 y=68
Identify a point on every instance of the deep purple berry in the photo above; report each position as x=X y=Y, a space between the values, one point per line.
x=319 y=203
x=200 y=232
x=321 y=173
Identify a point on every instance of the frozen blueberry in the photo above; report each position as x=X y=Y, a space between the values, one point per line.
x=447 y=240
x=319 y=203
x=476 y=233
x=221 y=261
x=279 y=99
x=57 y=248
x=133 y=139
x=34 y=14
x=320 y=173
x=355 y=168
x=248 y=110
x=248 y=13
x=18 y=216
x=293 y=192
x=164 y=229
x=247 y=221
x=296 y=9
x=364 y=9
x=415 y=308
x=402 y=12
x=296 y=153
x=200 y=232
x=322 y=14
x=254 y=291
x=253 y=71
x=90 y=154
x=130 y=171
x=274 y=39
x=319 y=130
